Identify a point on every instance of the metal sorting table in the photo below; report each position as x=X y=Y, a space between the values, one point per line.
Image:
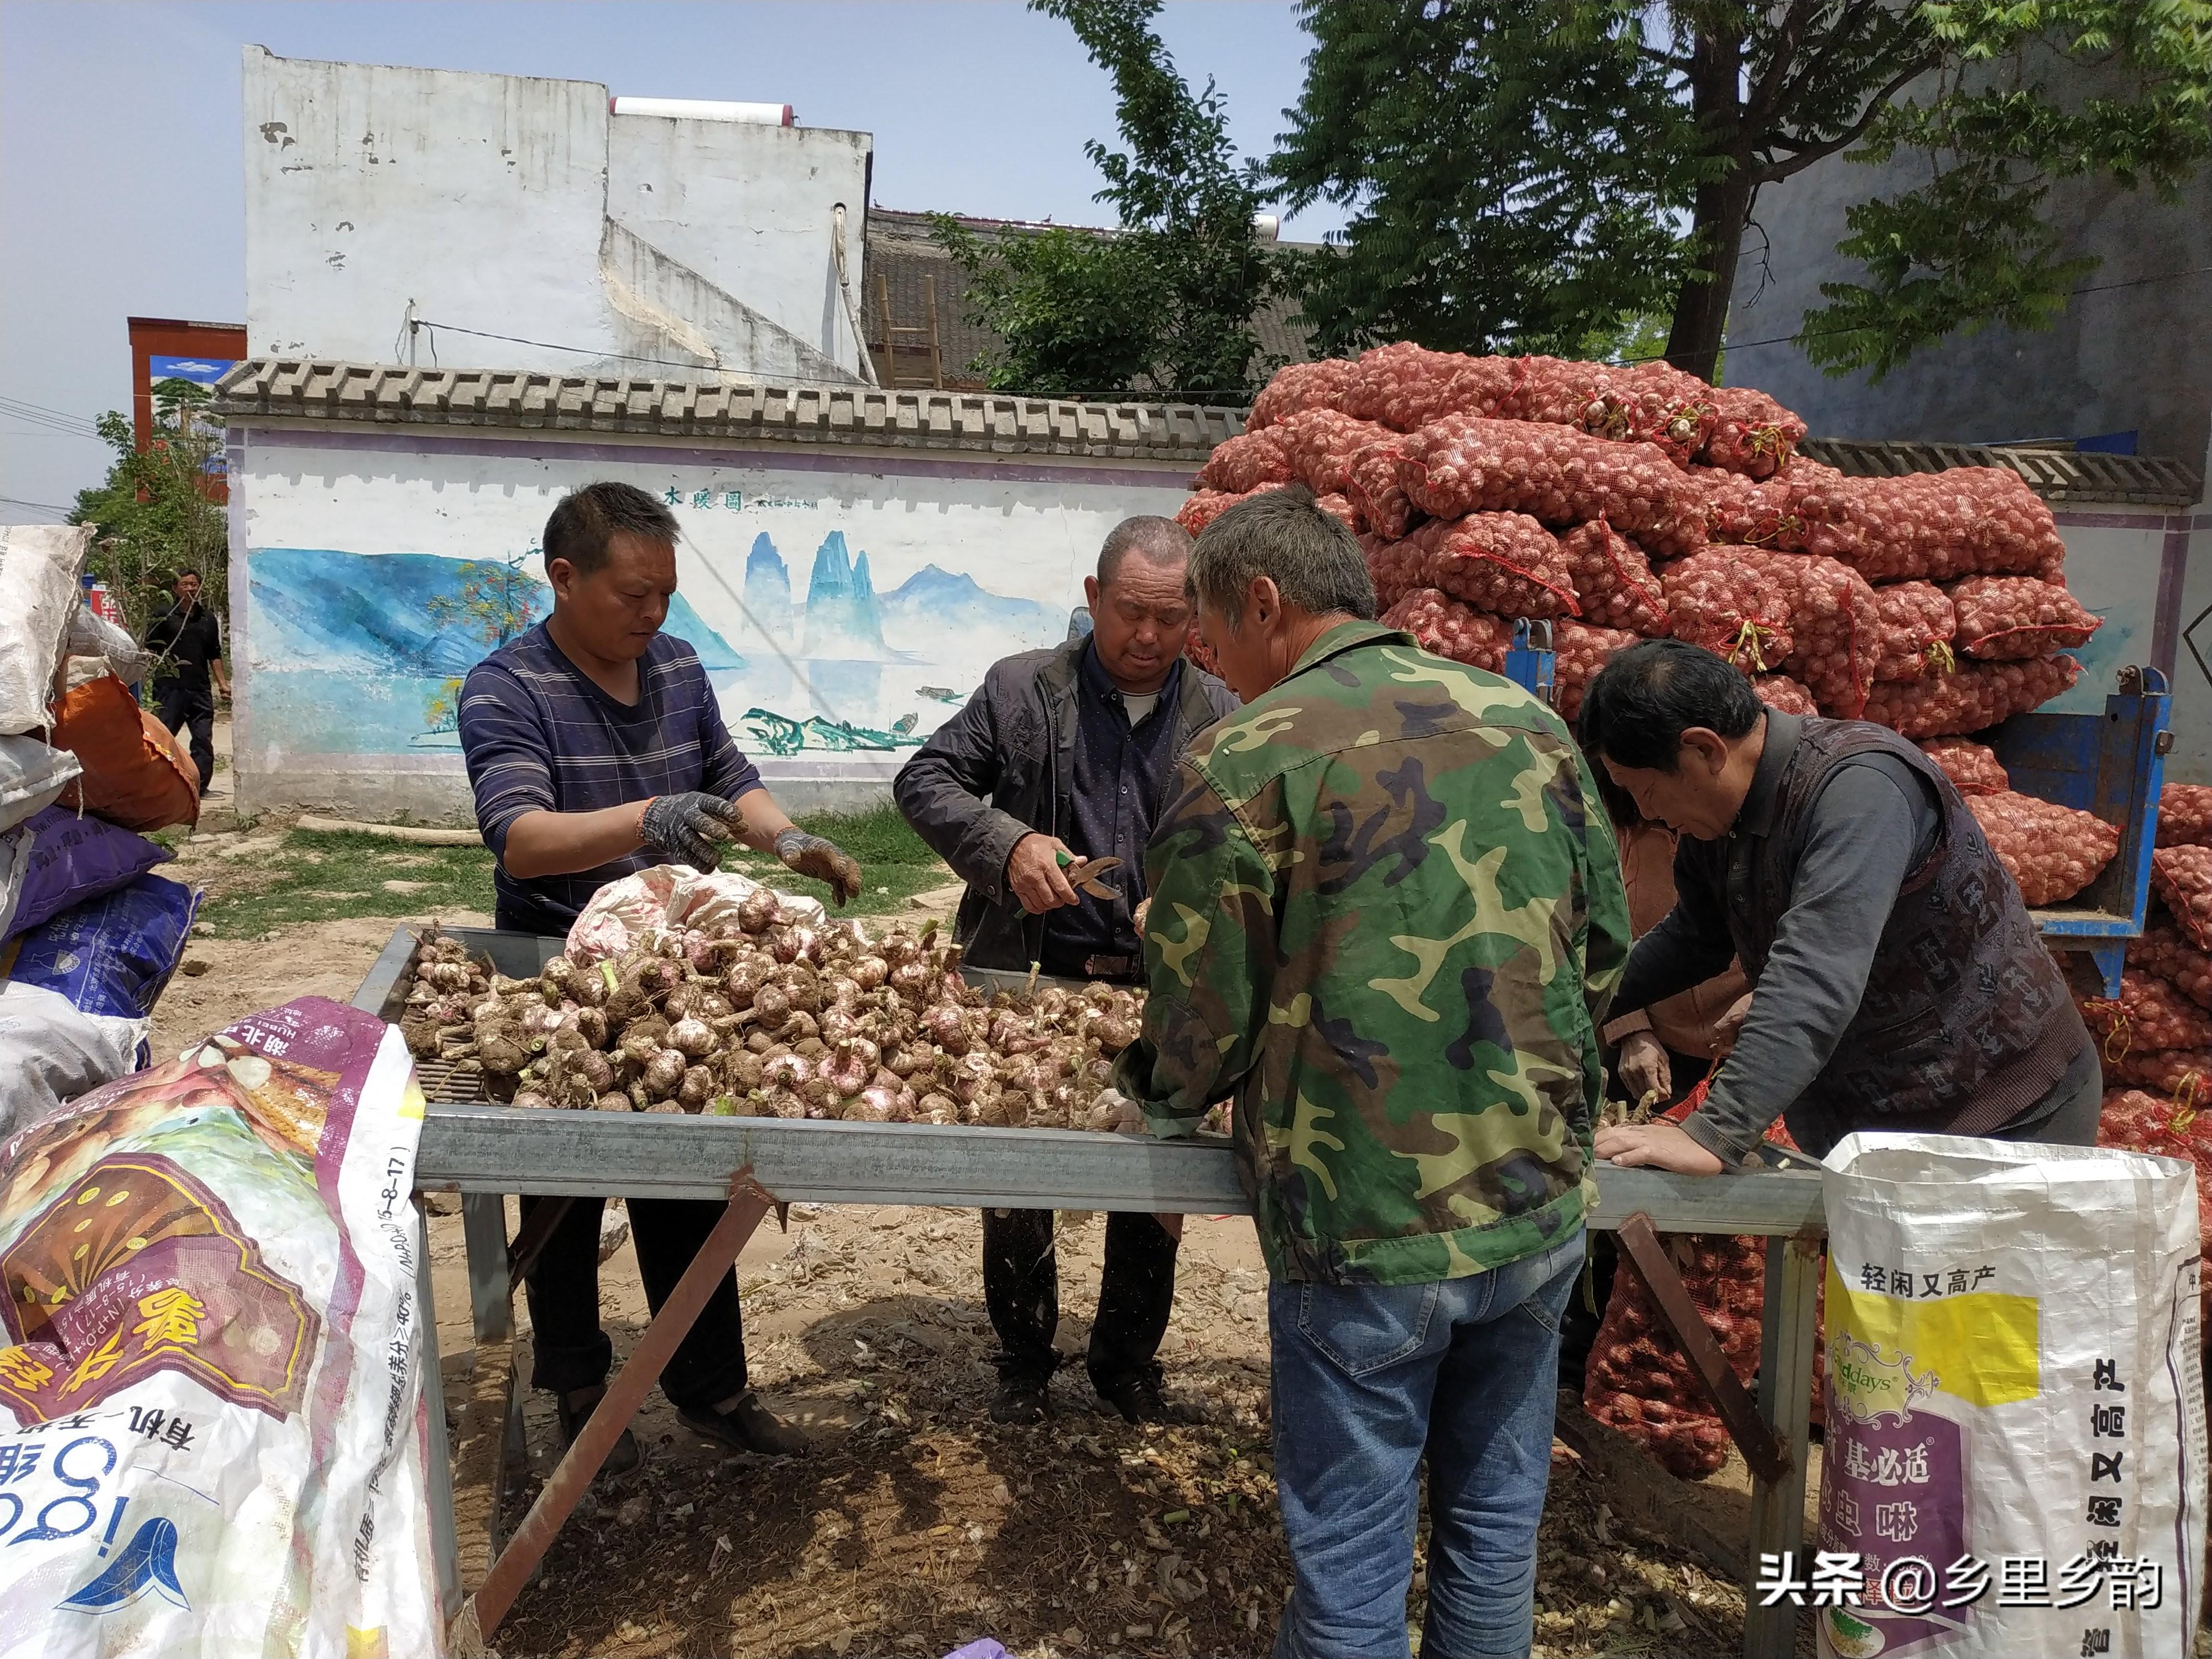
x=485 y=1151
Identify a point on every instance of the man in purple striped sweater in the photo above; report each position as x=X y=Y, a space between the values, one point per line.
x=595 y=747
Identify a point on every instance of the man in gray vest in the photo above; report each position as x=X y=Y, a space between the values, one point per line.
x=1898 y=979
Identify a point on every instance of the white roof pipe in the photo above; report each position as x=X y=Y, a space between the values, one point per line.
x=704 y=109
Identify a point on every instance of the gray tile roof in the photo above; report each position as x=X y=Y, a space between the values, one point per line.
x=2057 y=475
x=987 y=422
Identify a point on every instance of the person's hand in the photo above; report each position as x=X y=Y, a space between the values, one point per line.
x=687 y=826
x=1730 y=1025
x=1656 y=1146
x=1033 y=872
x=1642 y=1068
x=824 y=861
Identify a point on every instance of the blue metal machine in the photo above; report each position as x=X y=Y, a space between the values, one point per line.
x=2111 y=764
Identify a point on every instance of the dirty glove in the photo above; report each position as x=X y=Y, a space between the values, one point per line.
x=687 y=826
x=824 y=861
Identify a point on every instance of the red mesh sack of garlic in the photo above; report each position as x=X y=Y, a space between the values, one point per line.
x=1975 y=698
x=1638 y=1380
x=1505 y=563
x=1240 y=465
x=1936 y=526
x=1318 y=445
x=1463 y=464
x=1297 y=387
x=1613 y=582
x=1398 y=568
x=1786 y=513
x=1200 y=655
x=1578 y=651
x=1203 y=508
x=2183 y=1074
x=1918 y=622
x=2136 y=1121
x=2184 y=815
x=1835 y=627
x=2052 y=852
x=2161 y=950
x=1440 y=624
x=1339 y=507
x=1973 y=767
x=2149 y=1013
x=1751 y=434
x=1655 y=403
x=1553 y=390
x=2182 y=875
x=1404 y=386
x=2008 y=616
x=1372 y=485
x=1784 y=695
x=1730 y=605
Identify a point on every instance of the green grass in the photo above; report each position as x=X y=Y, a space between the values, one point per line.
x=331 y=875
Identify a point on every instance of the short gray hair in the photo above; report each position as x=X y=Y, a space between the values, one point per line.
x=1161 y=541
x=1314 y=561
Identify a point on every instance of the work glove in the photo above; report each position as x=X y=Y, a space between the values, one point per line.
x=824 y=861
x=687 y=827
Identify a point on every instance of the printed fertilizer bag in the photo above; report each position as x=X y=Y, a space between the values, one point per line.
x=2015 y=1461
x=211 y=1356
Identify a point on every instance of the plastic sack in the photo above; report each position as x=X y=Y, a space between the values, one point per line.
x=2149 y=1012
x=33 y=774
x=1297 y=387
x=1918 y=623
x=1980 y=696
x=135 y=774
x=1786 y=696
x=1730 y=605
x=112 y=954
x=1973 y=767
x=2051 y=852
x=2184 y=815
x=50 y=1052
x=2182 y=877
x=1240 y=465
x=96 y=640
x=2013 y=1371
x=1441 y=624
x=1614 y=581
x=217 y=1383
x=669 y=896
x=2162 y=949
x=39 y=593
x=2009 y=617
x=69 y=857
x=1579 y=651
x=1505 y=563
x=1463 y=464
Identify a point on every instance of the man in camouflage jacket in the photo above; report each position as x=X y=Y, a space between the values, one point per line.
x=1386 y=916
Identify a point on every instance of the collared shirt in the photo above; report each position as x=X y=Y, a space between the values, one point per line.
x=187 y=639
x=1122 y=775
x=540 y=735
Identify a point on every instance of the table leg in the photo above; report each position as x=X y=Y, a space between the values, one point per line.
x=1788 y=1335
x=444 y=1539
x=483 y=1229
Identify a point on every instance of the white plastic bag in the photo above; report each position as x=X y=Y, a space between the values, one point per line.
x=216 y=1419
x=669 y=896
x=2013 y=1380
x=50 y=1052
x=33 y=775
x=39 y=594
x=104 y=649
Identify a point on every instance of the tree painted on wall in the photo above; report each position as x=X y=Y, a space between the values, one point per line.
x=497 y=602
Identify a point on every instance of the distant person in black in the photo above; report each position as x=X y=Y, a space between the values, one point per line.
x=188 y=646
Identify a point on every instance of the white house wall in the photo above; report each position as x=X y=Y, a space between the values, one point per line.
x=371 y=569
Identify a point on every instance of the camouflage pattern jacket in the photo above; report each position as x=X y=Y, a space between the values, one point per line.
x=1387 y=916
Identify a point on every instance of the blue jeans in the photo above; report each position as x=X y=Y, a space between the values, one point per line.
x=1368 y=1380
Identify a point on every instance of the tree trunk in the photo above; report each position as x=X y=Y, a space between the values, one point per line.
x=1718 y=210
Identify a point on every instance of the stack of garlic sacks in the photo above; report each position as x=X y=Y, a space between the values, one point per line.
x=1619 y=503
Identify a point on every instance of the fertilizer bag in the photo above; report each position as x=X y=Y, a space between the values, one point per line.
x=2012 y=1376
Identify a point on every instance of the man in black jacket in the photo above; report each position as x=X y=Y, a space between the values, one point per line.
x=189 y=644
x=1069 y=753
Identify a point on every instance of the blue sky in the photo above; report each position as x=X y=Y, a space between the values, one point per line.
x=119 y=137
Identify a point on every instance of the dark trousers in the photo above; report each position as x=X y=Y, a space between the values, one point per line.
x=1021 y=1289
x=182 y=705
x=573 y=1352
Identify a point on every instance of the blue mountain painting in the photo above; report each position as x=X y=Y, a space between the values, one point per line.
x=417 y=614
x=934 y=601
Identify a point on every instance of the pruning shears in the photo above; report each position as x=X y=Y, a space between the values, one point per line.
x=1083 y=873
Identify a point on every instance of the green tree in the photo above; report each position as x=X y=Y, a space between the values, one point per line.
x=497 y=603
x=155 y=516
x=1166 y=302
x=1525 y=172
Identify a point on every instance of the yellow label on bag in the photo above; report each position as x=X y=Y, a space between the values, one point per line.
x=1982 y=1346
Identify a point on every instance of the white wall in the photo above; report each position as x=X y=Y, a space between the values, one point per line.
x=342 y=667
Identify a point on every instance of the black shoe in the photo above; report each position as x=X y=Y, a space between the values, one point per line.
x=1021 y=1400
x=747 y=1426
x=623 y=1458
x=1137 y=1398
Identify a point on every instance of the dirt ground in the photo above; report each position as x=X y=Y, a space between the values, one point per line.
x=914 y=1525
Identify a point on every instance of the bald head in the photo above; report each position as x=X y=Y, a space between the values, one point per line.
x=1140 y=616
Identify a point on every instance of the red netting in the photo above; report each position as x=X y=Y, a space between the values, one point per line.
x=1300 y=386
x=1639 y=1381
x=2150 y=1013
x=1918 y=622
x=2008 y=617
x=1372 y=485
x=2139 y=1122
x=1975 y=698
x=1463 y=464
x=1780 y=692
x=2052 y=852
x=1730 y=605
x=1441 y=623
x=2162 y=949
x=1751 y=433
x=1207 y=505
x=1502 y=562
x=1241 y=465
x=1934 y=526
x=1835 y=627
x=1199 y=654
x=1398 y=568
x=1786 y=512
x=2184 y=815
x=1404 y=386
x=1340 y=508
x=1318 y=445
x=1614 y=581
x=2182 y=875
x=1579 y=651
x=1973 y=767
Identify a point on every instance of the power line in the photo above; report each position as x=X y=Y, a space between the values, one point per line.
x=36 y=507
